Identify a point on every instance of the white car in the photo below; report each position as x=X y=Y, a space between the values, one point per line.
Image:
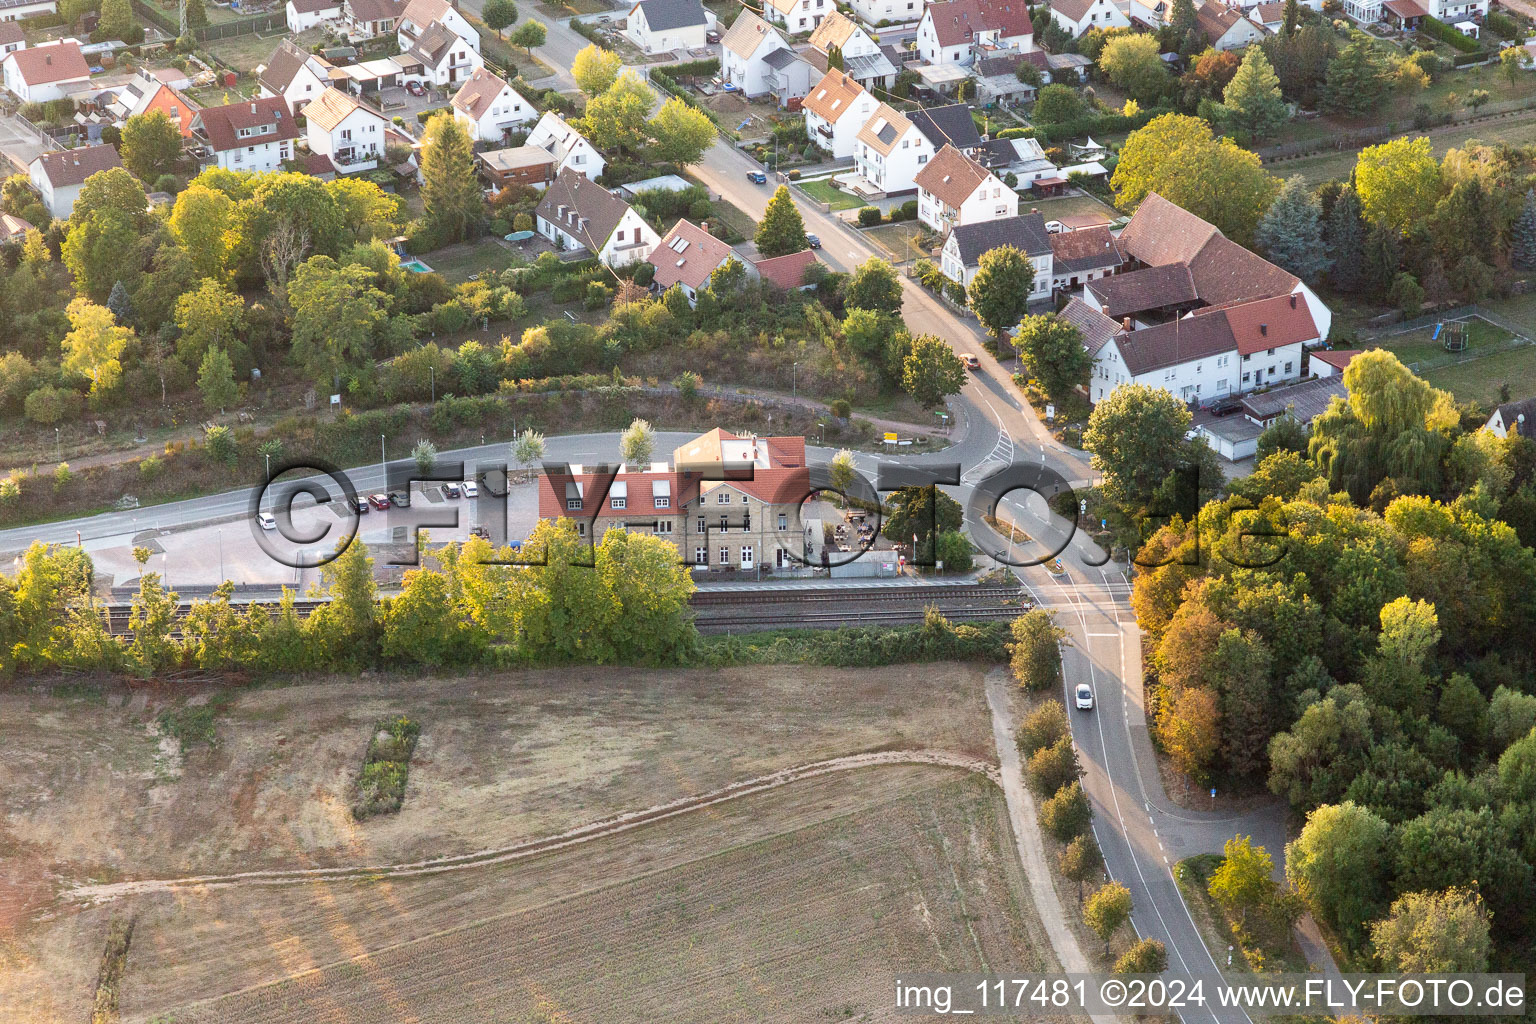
x=1084 y=697
x=471 y=489
x=266 y=520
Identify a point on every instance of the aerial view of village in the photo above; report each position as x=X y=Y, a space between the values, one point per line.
x=613 y=512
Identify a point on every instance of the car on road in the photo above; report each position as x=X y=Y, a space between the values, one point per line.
x=757 y=177
x=415 y=88
x=970 y=361
x=813 y=241
x=400 y=499
x=1084 y=697
x=451 y=490
x=266 y=520
x=379 y=501
x=1226 y=407
x=471 y=489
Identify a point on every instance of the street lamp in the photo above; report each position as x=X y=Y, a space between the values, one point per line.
x=383 y=462
x=268 y=456
x=794 y=388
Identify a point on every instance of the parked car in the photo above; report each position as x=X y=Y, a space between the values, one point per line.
x=266 y=520
x=451 y=490
x=471 y=489
x=361 y=504
x=710 y=37
x=970 y=361
x=379 y=501
x=400 y=499
x=1084 y=697
x=813 y=241
x=1226 y=407
x=757 y=177
x=415 y=88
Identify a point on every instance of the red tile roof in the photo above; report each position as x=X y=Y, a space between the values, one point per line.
x=951 y=176
x=222 y=125
x=1269 y=323
x=54 y=62
x=688 y=255
x=1337 y=358
x=956 y=22
x=1162 y=233
x=787 y=272
x=72 y=166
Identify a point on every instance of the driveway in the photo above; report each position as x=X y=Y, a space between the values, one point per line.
x=20 y=144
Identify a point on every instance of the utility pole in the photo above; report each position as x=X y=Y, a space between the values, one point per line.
x=183 y=6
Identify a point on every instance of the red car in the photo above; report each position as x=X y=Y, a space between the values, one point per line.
x=415 y=89
x=379 y=501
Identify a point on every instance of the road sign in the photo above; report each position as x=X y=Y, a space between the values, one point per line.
x=1213 y=792
x=335 y=399
x=1082 y=507
x=890 y=437
x=1050 y=411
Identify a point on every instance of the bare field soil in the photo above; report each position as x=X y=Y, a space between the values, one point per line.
x=94 y=794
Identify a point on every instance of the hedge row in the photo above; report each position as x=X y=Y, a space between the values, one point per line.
x=1437 y=29
x=1096 y=124
x=935 y=640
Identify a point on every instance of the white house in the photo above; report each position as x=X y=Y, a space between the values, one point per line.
x=797 y=15
x=38 y=74
x=661 y=26
x=575 y=213
x=306 y=14
x=1268 y=16
x=1517 y=417
x=1330 y=362
x=252 y=135
x=743 y=52
x=1079 y=16
x=878 y=13
x=339 y=128
x=953 y=189
x=863 y=59
x=961 y=256
x=16 y=10
x=1452 y=11
x=58 y=176
x=890 y=151
x=296 y=75
x=490 y=108
x=686 y=258
x=12 y=38
x=958 y=31
x=569 y=149
x=836 y=109
x=445 y=56
x=1226 y=27
x=369 y=19
x=420 y=15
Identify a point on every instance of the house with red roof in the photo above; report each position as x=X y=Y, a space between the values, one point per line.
x=686 y=257
x=253 y=135
x=787 y=272
x=963 y=31
x=59 y=176
x=38 y=74
x=1330 y=362
x=724 y=500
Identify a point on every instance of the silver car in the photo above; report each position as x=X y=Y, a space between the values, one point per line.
x=1084 y=697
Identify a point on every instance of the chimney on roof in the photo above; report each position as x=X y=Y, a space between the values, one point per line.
x=1293 y=300
x=1125 y=324
x=1264 y=329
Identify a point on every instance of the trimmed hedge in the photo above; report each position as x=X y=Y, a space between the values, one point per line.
x=861 y=645
x=1096 y=124
x=1437 y=29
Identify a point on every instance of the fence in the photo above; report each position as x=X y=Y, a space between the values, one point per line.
x=252 y=25
x=1380 y=133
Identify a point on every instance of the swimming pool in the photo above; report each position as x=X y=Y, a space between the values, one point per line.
x=416 y=267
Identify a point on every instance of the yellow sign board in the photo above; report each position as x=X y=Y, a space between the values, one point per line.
x=890 y=435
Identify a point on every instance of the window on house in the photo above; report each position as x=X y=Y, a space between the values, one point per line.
x=664 y=526
x=617 y=502
x=1287 y=367
x=1245 y=377
x=703 y=525
x=783 y=521
x=573 y=504
x=725 y=524
x=581 y=529
x=700 y=556
x=722 y=498
x=746 y=555
x=663 y=501
x=725 y=555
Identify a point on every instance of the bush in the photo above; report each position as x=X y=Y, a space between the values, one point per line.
x=1502 y=25
x=1050 y=768
x=1017 y=133
x=49 y=405
x=1437 y=29
x=859 y=646
x=1146 y=957
x=869 y=216
x=909 y=210
x=1066 y=815
x=1044 y=726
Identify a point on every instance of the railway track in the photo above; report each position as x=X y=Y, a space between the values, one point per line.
x=837 y=620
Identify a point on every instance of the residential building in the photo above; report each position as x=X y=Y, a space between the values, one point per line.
x=352 y=136
x=445 y=56
x=421 y=15
x=369 y=19
x=1079 y=16
x=519 y=165
x=1269 y=16
x=1025 y=159
x=961 y=31
x=1078 y=257
x=575 y=212
x=570 y=150
x=961 y=256
x=13 y=229
x=686 y=257
x=1517 y=417
x=997 y=78
x=306 y=14
x=1149 y=15
x=1330 y=362
x=743 y=52
x=295 y=74
x=836 y=109
x=1226 y=27
x=953 y=189
x=1452 y=11
x=489 y=108
x=879 y=13
x=787 y=272
x=797 y=15
x=890 y=152
x=724 y=501
x=862 y=58
x=18 y=10
x=661 y=26
x=37 y=74
x=252 y=135
x=949 y=125
x=58 y=176
x=145 y=93
x=789 y=76
x=12 y=37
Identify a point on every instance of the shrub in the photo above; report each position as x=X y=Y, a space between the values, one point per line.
x=1066 y=815
x=1050 y=768
x=1502 y=25
x=1146 y=957
x=869 y=216
x=1044 y=726
x=381 y=783
x=909 y=210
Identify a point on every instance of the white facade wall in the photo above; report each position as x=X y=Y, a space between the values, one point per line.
x=894 y=173
x=844 y=141
x=1103 y=14
x=358 y=138
x=298 y=22
x=750 y=74
x=686 y=38
x=991 y=200
x=802 y=17
x=950 y=264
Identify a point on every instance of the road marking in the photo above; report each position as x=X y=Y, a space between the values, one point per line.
x=1105 y=634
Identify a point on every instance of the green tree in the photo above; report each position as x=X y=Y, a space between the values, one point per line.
x=199 y=222
x=1185 y=25
x=210 y=316
x=931 y=371
x=1383 y=259
x=1052 y=767
x=93 y=251
x=1284 y=434
x=1291 y=232
x=528 y=448
x=1292 y=15
x=221 y=445
x=1398 y=182
x=422 y=623
x=842 y=471
x=781 y=231
x=1465 y=222
x=1358 y=79
x=1135 y=436
x=1148 y=956
x=1058 y=103
x=1406 y=294
x=637 y=443
x=528 y=35
x=1338 y=864
x=1035 y=651
x=1133 y=63
x=616 y=119
x=113 y=189
x=424 y=454
x=1242 y=880
x=920 y=512
x=1053 y=348
x=151 y=620
x=595 y=69
x=1178 y=158
x=1081 y=860
x=216 y=379
x=94 y=346
x=1511 y=715
x=197 y=14
x=1346 y=241
x=999 y=293
x=680 y=134
x=874 y=285
x=151 y=142
x=1434 y=932
x=835 y=58
x=1066 y=815
x=1253 y=98
x=120 y=305
x=499 y=14
x=336 y=310
x=1510 y=60
x=1043 y=726
x=450 y=192
x=1107 y=910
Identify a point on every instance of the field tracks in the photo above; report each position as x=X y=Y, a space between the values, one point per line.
x=104 y=893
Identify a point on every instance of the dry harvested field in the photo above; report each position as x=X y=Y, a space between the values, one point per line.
x=793 y=902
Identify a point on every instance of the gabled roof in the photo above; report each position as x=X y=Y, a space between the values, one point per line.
x=582 y=209
x=478 y=92
x=1095 y=327
x=434 y=43
x=1216 y=19
x=1269 y=13
x=12 y=32
x=284 y=65
x=748 y=34
x=834 y=30
x=64 y=168
x=832 y=97
x=315 y=6
x=788 y=271
x=1073 y=10
x=1406 y=8
x=222 y=125
x=884 y=129
x=956 y=22
x=49 y=63
x=1510 y=415
x=1088 y=249
x=688 y=255
x=1338 y=358
x=663 y=15
x=333 y=106
x=1141 y=290
x=561 y=137
x=1268 y=323
x=1222 y=271
x=376 y=10
x=1025 y=232
x=425 y=12
x=1178 y=341
x=950 y=124
x=1163 y=232
x=951 y=176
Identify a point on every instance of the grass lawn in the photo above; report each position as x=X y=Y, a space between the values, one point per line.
x=1066 y=205
x=826 y=192
x=1338 y=165
x=1418 y=345
x=893 y=239
x=570 y=7
x=1479 y=379
x=457 y=262
x=246 y=52
x=218 y=95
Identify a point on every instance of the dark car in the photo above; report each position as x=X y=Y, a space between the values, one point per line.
x=362 y=505
x=757 y=177
x=400 y=499
x=1226 y=407
x=415 y=89
x=813 y=241
x=451 y=490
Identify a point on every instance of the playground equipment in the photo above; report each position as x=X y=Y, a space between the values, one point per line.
x=1453 y=335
